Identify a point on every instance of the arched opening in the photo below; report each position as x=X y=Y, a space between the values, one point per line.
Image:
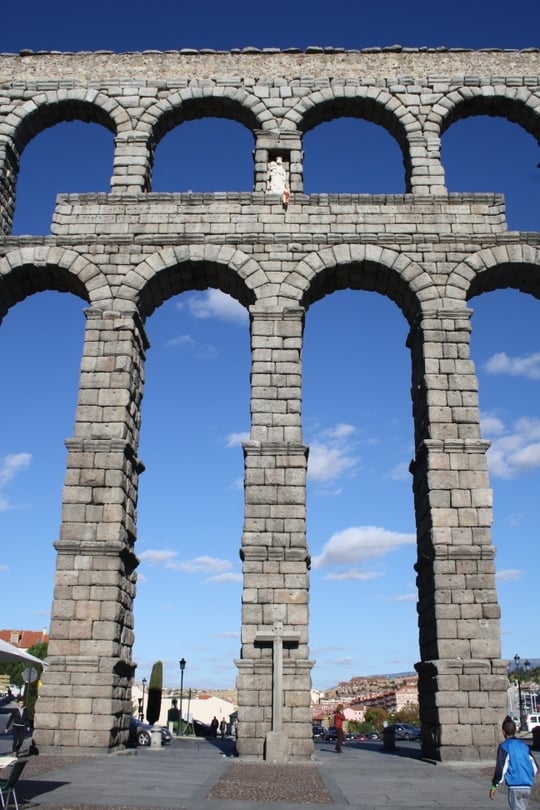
x=490 y=154
x=40 y=357
x=195 y=415
x=361 y=529
x=505 y=347
x=69 y=157
x=204 y=155
x=353 y=156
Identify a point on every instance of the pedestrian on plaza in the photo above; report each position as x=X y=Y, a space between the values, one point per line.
x=18 y=718
x=339 y=719
x=223 y=728
x=516 y=766
x=214 y=725
x=173 y=716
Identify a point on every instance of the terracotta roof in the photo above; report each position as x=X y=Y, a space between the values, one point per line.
x=24 y=639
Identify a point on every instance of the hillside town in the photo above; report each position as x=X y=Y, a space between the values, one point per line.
x=368 y=700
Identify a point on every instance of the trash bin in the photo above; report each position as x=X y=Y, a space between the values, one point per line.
x=389 y=739
x=536 y=738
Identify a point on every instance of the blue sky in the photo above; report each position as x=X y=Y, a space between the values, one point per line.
x=196 y=405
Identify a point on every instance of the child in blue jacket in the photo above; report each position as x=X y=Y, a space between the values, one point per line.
x=516 y=765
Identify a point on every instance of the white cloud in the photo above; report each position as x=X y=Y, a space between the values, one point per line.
x=157 y=557
x=330 y=454
x=228 y=576
x=491 y=425
x=218 y=570
x=359 y=574
x=360 y=543
x=4 y=568
x=216 y=304
x=236 y=439
x=181 y=340
x=509 y=575
x=527 y=366
x=400 y=472
x=406 y=597
x=10 y=467
x=514 y=451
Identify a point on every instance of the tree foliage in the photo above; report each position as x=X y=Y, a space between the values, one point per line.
x=155 y=688
x=375 y=717
x=410 y=713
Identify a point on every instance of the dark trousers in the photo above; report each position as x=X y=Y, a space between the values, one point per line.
x=18 y=738
x=340 y=736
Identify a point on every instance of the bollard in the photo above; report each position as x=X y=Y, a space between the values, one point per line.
x=389 y=739
x=156 y=738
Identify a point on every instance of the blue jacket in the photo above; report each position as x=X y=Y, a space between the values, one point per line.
x=515 y=764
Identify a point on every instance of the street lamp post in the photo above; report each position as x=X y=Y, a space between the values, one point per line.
x=182 y=664
x=141 y=711
x=526 y=665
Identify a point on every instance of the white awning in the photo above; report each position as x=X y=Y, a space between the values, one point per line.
x=10 y=653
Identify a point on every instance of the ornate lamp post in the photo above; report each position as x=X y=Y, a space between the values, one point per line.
x=182 y=664
x=141 y=709
x=526 y=665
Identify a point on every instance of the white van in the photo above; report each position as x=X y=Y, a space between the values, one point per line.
x=531 y=721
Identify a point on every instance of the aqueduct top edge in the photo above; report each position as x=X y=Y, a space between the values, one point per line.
x=369 y=63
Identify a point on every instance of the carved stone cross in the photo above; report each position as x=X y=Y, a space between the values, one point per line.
x=277 y=636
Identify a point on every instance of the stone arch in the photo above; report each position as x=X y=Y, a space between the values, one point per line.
x=517 y=104
x=196 y=102
x=372 y=104
x=516 y=266
x=28 y=270
x=45 y=110
x=179 y=269
x=364 y=267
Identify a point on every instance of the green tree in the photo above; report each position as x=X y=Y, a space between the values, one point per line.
x=375 y=717
x=155 y=688
x=409 y=714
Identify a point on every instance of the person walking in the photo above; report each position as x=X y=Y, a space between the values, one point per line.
x=18 y=718
x=339 y=719
x=223 y=728
x=516 y=766
x=214 y=725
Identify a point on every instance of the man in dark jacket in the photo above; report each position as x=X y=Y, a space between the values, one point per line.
x=516 y=765
x=19 y=720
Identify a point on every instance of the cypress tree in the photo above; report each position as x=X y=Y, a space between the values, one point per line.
x=153 y=707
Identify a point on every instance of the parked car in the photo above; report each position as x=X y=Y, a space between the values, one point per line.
x=330 y=734
x=405 y=731
x=141 y=733
x=531 y=721
x=317 y=731
x=373 y=735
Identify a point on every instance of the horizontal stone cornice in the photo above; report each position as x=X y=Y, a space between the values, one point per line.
x=252 y=448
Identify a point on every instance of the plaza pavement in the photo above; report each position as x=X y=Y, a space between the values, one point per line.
x=182 y=775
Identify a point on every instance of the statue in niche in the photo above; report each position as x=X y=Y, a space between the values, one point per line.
x=277 y=176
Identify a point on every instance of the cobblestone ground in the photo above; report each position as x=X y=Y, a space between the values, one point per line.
x=258 y=782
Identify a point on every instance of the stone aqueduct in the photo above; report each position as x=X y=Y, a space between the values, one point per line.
x=127 y=251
